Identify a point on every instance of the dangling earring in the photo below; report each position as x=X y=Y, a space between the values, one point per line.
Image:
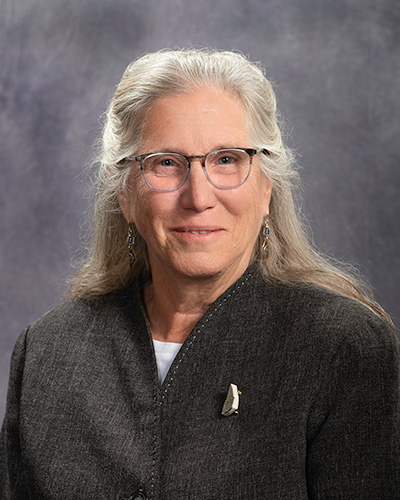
x=131 y=241
x=266 y=233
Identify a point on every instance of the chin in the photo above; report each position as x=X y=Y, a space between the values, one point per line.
x=208 y=268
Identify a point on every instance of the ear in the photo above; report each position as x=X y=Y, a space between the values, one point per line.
x=124 y=203
x=267 y=188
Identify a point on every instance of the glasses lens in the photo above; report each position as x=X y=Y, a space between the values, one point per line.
x=165 y=171
x=228 y=167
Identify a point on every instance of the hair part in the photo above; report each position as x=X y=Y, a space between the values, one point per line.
x=292 y=257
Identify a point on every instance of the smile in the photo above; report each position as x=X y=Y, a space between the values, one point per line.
x=206 y=232
x=197 y=232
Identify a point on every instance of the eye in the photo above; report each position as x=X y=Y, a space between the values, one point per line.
x=225 y=160
x=167 y=162
x=164 y=164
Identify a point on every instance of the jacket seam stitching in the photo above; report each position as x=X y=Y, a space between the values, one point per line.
x=197 y=331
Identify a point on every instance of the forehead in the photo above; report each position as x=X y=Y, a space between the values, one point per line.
x=197 y=122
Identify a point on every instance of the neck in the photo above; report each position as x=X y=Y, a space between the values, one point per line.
x=175 y=304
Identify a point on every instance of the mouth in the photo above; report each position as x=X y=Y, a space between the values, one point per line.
x=197 y=231
x=205 y=231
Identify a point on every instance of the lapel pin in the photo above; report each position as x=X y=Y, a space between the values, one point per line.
x=231 y=404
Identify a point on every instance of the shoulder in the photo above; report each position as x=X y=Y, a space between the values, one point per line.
x=323 y=317
x=338 y=341
x=73 y=312
x=74 y=320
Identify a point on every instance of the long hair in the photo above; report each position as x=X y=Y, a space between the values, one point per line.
x=292 y=257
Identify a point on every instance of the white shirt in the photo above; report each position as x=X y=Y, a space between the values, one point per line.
x=165 y=354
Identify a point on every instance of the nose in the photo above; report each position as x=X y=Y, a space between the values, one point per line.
x=197 y=193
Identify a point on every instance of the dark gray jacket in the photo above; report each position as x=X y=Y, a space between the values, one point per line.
x=319 y=413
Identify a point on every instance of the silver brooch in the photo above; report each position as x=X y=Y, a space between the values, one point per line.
x=231 y=404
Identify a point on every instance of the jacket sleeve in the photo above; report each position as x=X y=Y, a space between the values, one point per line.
x=354 y=429
x=12 y=478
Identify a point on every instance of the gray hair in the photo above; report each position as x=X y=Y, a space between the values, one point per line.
x=292 y=257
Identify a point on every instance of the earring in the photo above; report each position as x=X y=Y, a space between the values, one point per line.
x=131 y=241
x=266 y=232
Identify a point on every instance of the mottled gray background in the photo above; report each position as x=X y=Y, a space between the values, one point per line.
x=336 y=66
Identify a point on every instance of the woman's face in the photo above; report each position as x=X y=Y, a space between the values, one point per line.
x=198 y=231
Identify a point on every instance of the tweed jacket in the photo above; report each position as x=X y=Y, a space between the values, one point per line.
x=318 y=413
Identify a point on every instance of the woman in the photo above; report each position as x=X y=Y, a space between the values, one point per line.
x=208 y=351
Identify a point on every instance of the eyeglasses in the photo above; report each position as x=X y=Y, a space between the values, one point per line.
x=224 y=168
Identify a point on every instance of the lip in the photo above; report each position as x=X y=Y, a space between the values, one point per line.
x=196 y=229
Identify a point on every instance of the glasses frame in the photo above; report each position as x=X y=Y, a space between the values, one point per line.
x=202 y=158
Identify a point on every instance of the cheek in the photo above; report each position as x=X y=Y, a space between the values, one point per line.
x=139 y=209
x=151 y=210
x=255 y=200
x=138 y=194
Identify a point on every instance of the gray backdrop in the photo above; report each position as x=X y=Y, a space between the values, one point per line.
x=336 y=66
